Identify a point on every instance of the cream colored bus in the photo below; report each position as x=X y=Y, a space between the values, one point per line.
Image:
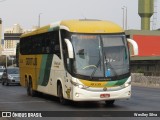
x=78 y=60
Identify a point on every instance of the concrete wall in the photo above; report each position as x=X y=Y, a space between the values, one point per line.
x=147 y=81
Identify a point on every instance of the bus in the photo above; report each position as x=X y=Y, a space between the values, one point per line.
x=77 y=60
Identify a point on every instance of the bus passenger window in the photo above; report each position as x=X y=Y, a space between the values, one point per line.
x=57 y=50
x=51 y=47
x=56 y=47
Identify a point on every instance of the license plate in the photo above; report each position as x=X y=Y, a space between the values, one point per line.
x=104 y=95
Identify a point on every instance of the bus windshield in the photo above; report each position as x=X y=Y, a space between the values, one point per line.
x=100 y=55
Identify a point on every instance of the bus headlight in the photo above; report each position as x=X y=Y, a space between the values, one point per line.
x=79 y=85
x=127 y=84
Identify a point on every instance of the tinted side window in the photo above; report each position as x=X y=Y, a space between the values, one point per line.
x=46 y=43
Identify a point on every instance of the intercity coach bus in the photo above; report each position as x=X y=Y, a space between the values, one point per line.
x=77 y=60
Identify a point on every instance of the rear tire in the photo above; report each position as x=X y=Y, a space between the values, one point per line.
x=110 y=102
x=30 y=90
x=62 y=100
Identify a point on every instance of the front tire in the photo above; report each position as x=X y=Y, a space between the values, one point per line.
x=62 y=100
x=30 y=90
x=110 y=102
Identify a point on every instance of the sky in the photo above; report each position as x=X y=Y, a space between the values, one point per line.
x=26 y=12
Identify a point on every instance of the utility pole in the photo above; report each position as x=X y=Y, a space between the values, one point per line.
x=125 y=18
x=39 y=20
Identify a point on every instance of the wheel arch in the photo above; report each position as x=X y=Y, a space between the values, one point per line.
x=59 y=82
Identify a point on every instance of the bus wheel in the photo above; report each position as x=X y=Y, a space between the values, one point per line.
x=60 y=94
x=110 y=102
x=30 y=90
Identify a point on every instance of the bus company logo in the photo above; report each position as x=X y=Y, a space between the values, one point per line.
x=31 y=61
x=105 y=89
x=6 y=114
x=57 y=63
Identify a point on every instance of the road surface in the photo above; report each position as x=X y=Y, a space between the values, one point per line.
x=14 y=98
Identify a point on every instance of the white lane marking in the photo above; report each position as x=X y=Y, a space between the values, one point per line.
x=23 y=102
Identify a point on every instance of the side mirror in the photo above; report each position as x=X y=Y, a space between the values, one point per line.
x=133 y=47
x=69 y=48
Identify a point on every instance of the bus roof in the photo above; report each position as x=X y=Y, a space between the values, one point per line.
x=37 y=31
x=92 y=26
x=80 y=26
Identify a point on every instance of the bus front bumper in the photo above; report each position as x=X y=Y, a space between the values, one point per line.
x=85 y=95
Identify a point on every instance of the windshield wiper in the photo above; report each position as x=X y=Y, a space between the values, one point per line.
x=95 y=69
x=99 y=61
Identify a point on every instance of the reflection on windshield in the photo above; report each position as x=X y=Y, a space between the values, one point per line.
x=116 y=56
x=1 y=70
x=13 y=71
x=87 y=55
x=100 y=55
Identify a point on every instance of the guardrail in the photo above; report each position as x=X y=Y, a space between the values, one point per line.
x=146 y=81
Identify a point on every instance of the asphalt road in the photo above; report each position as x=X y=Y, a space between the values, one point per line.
x=14 y=98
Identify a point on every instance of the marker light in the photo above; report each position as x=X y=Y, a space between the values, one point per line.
x=127 y=84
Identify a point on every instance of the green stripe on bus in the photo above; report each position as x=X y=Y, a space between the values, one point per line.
x=110 y=84
x=116 y=83
x=42 y=69
x=121 y=82
x=45 y=69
